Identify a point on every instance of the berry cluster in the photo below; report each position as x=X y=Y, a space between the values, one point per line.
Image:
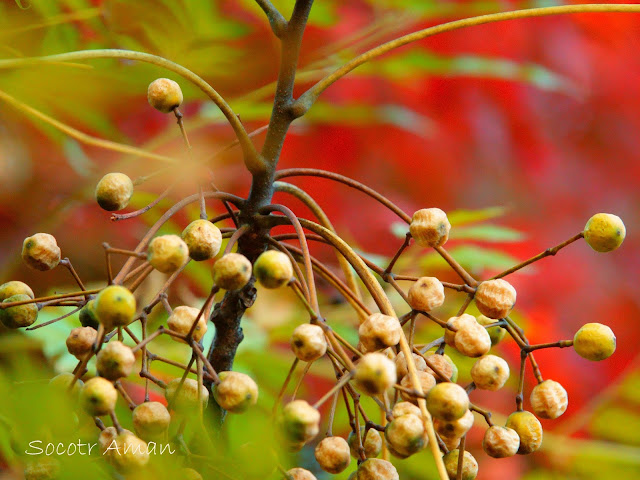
x=414 y=384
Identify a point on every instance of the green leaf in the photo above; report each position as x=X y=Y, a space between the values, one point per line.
x=463 y=217
x=473 y=258
x=487 y=233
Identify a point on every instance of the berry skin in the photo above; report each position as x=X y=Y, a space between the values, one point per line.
x=549 y=399
x=203 y=239
x=300 y=474
x=376 y=469
x=80 y=341
x=151 y=420
x=495 y=333
x=457 y=323
x=490 y=373
x=308 y=342
x=333 y=455
x=604 y=232
x=236 y=392
x=14 y=287
x=300 y=422
x=375 y=374
x=115 y=361
x=232 y=271
x=401 y=364
x=273 y=269
x=181 y=320
x=379 y=331
x=87 y=315
x=405 y=435
x=427 y=381
x=447 y=401
x=528 y=428
x=430 y=227
x=115 y=306
x=469 y=465
x=98 y=397
x=19 y=316
x=41 y=251
x=188 y=398
x=443 y=363
x=405 y=408
x=500 y=442
x=164 y=95
x=456 y=428
x=495 y=298
x=426 y=294
x=129 y=453
x=472 y=340
x=594 y=342
x=114 y=191
x=167 y=253
x=372 y=444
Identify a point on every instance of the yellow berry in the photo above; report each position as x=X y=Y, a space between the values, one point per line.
x=181 y=320
x=203 y=239
x=490 y=373
x=151 y=420
x=426 y=294
x=232 y=271
x=61 y=382
x=379 y=331
x=19 y=316
x=14 y=287
x=469 y=465
x=430 y=227
x=406 y=435
x=447 y=401
x=164 y=95
x=236 y=392
x=333 y=455
x=375 y=374
x=115 y=306
x=549 y=399
x=528 y=428
x=114 y=191
x=594 y=342
x=500 y=442
x=98 y=396
x=115 y=361
x=604 y=232
x=41 y=251
x=273 y=269
x=308 y=342
x=167 y=253
x=495 y=298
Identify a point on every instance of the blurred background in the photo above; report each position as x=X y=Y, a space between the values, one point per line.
x=531 y=124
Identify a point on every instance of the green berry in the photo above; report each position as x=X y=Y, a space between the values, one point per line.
x=528 y=428
x=406 y=435
x=167 y=253
x=604 y=232
x=98 y=397
x=447 y=401
x=164 y=95
x=87 y=315
x=115 y=306
x=236 y=392
x=495 y=333
x=19 y=316
x=14 y=287
x=594 y=342
x=430 y=227
x=232 y=271
x=273 y=269
x=114 y=191
x=41 y=251
x=203 y=239
x=190 y=396
x=300 y=422
x=61 y=382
